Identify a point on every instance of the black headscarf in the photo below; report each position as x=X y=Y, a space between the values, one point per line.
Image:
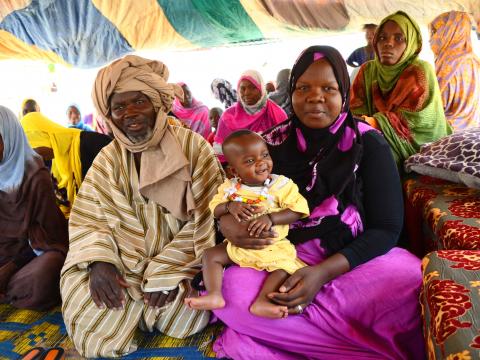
x=322 y=162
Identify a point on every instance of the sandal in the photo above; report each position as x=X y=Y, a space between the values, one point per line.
x=33 y=354
x=55 y=353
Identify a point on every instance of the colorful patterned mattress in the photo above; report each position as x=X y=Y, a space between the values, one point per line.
x=441 y=215
x=450 y=301
x=22 y=330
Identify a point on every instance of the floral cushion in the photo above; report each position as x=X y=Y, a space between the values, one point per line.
x=441 y=215
x=450 y=302
x=454 y=158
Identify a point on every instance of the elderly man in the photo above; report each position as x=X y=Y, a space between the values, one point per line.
x=141 y=221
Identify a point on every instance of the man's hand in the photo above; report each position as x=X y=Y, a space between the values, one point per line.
x=258 y=225
x=106 y=285
x=157 y=299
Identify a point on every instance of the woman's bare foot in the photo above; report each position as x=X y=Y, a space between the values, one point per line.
x=265 y=308
x=207 y=302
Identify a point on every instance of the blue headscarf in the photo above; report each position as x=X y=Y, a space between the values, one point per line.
x=17 y=153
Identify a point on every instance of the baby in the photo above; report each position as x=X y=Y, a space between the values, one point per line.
x=264 y=200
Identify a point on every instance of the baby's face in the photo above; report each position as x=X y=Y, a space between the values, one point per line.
x=250 y=160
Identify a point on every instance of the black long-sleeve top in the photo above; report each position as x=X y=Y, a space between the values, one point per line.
x=382 y=201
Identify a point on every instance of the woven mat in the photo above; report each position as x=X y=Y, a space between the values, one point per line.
x=21 y=330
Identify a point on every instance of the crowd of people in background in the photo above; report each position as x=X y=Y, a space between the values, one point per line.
x=132 y=189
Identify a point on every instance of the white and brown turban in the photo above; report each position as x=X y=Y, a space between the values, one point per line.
x=164 y=169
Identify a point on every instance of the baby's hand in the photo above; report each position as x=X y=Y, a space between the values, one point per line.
x=259 y=224
x=241 y=211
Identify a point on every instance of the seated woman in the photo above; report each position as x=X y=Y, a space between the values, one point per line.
x=33 y=236
x=398 y=92
x=457 y=68
x=254 y=111
x=357 y=298
x=192 y=112
x=71 y=150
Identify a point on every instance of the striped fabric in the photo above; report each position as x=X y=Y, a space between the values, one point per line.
x=154 y=251
x=91 y=33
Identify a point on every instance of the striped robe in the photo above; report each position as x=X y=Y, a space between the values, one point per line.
x=112 y=222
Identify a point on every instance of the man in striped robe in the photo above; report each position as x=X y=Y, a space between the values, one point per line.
x=140 y=222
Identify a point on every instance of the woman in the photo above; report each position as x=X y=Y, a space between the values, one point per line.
x=33 y=236
x=397 y=91
x=71 y=150
x=254 y=111
x=457 y=67
x=358 y=296
x=192 y=112
x=74 y=118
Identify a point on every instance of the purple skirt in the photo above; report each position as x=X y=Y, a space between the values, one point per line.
x=371 y=312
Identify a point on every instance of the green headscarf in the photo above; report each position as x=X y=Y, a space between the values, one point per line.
x=387 y=75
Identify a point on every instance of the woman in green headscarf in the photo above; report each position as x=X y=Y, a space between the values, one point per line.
x=398 y=93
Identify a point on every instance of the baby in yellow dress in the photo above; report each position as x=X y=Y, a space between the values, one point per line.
x=254 y=188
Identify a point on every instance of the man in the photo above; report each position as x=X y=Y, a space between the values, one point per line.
x=141 y=220
x=366 y=53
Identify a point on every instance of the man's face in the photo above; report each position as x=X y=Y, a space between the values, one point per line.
x=134 y=114
x=369 y=35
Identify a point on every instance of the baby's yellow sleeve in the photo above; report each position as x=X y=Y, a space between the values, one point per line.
x=219 y=197
x=290 y=198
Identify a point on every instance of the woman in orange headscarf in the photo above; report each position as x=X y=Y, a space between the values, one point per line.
x=457 y=68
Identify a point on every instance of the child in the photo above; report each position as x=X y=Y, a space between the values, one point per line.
x=214 y=116
x=263 y=199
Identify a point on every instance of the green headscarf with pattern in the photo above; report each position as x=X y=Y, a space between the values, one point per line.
x=389 y=74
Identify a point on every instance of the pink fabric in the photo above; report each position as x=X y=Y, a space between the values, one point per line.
x=235 y=118
x=346 y=141
x=301 y=143
x=352 y=218
x=371 y=312
x=196 y=117
x=253 y=81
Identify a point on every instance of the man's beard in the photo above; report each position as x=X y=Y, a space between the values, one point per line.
x=141 y=138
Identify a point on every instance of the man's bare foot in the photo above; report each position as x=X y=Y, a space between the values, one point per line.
x=265 y=308
x=207 y=302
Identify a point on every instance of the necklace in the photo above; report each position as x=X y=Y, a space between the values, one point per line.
x=262 y=197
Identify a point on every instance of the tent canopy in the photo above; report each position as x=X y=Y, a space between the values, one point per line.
x=91 y=33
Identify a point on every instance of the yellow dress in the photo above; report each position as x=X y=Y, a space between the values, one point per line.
x=65 y=143
x=282 y=193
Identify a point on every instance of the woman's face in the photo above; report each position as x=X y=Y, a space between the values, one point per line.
x=249 y=93
x=316 y=99
x=1 y=148
x=187 y=96
x=391 y=43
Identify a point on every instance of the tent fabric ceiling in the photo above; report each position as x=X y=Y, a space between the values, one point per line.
x=91 y=33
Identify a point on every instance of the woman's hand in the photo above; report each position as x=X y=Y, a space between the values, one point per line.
x=237 y=233
x=6 y=273
x=305 y=283
x=300 y=288
x=106 y=285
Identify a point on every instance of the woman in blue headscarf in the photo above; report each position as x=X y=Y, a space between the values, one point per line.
x=75 y=118
x=34 y=235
